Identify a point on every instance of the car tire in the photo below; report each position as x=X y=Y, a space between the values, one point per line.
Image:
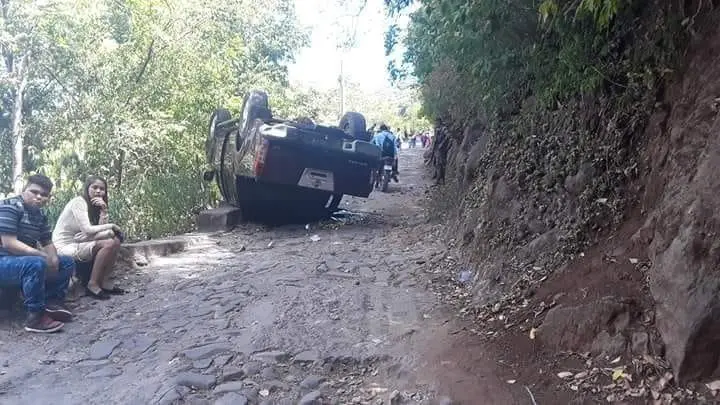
x=354 y=125
x=215 y=133
x=255 y=106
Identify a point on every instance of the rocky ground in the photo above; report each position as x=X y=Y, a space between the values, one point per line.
x=328 y=313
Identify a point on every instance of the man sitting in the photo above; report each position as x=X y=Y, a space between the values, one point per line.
x=42 y=276
x=387 y=143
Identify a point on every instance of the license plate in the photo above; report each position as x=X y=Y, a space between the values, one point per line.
x=388 y=167
x=317 y=179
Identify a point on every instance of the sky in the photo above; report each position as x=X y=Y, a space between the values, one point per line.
x=318 y=66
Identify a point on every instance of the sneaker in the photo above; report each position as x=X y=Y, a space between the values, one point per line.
x=58 y=312
x=40 y=322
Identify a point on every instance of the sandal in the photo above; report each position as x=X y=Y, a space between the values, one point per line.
x=102 y=295
x=114 y=291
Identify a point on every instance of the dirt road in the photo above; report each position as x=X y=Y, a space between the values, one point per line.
x=332 y=313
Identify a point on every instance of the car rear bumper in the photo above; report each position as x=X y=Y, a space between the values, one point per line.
x=311 y=166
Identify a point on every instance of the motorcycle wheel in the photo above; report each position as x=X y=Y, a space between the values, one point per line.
x=385 y=182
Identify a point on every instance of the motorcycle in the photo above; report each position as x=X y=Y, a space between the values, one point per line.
x=384 y=174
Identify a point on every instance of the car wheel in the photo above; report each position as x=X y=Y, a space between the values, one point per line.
x=353 y=124
x=215 y=134
x=255 y=106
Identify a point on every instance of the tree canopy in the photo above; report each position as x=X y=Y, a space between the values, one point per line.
x=480 y=60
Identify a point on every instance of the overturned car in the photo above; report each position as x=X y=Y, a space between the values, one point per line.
x=278 y=169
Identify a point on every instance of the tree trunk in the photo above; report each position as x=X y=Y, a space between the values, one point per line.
x=341 y=82
x=119 y=169
x=17 y=128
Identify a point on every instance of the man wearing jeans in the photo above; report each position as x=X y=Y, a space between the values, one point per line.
x=42 y=276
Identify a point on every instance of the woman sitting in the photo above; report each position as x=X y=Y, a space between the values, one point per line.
x=83 y=232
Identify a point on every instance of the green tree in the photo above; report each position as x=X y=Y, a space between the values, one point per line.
x=123 y=89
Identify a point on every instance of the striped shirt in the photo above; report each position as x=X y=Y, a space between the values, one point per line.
x=28 y=223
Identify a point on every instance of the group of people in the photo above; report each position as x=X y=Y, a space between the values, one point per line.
x=41 y=262
x=436 y=155
x=423 y=139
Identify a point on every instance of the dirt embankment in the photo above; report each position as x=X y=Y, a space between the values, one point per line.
x=594 y=227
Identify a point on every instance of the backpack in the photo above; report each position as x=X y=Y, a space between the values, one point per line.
x=388 y=147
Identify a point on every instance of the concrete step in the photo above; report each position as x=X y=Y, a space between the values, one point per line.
x=140 y=253
x=221 y=218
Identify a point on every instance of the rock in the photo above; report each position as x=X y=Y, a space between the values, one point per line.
x=233 y=373
x=251 y=394
x=311 y=398
x=271 y=356
x=311 y=382
x=445 y=401
x=203 y=352
x=545 y=242
x=268 y=373
x=308 y=356
x=576 y=184
x=395 y=398
x=275 y=385
x=684 y=282
x=93 y=363
x=322 y=268
x=202 y=364
x=109 y=371
x=576 y=327
x=194 y=380
x=340 y=274
x=103 y=349
x=232 y=386
x=231 y=398
x=140 y=344
x=685 y=248
x=221 y=360
x=640 y=343
x=610 y=346
x=196 y=400
x=250 y=369
x=170 y=397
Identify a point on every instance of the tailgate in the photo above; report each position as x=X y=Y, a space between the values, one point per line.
x=332 y=165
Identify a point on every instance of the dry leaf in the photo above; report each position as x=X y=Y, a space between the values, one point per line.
x=637 y=392
x=664 y=381
x=564 y=374
x=511 y=381
x=616 y=360
x=533 y=331
x=713 y=386
x=618 y=373
x=581 y=375
x=634 y=260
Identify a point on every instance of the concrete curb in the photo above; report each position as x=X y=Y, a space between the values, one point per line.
x=139 y=254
